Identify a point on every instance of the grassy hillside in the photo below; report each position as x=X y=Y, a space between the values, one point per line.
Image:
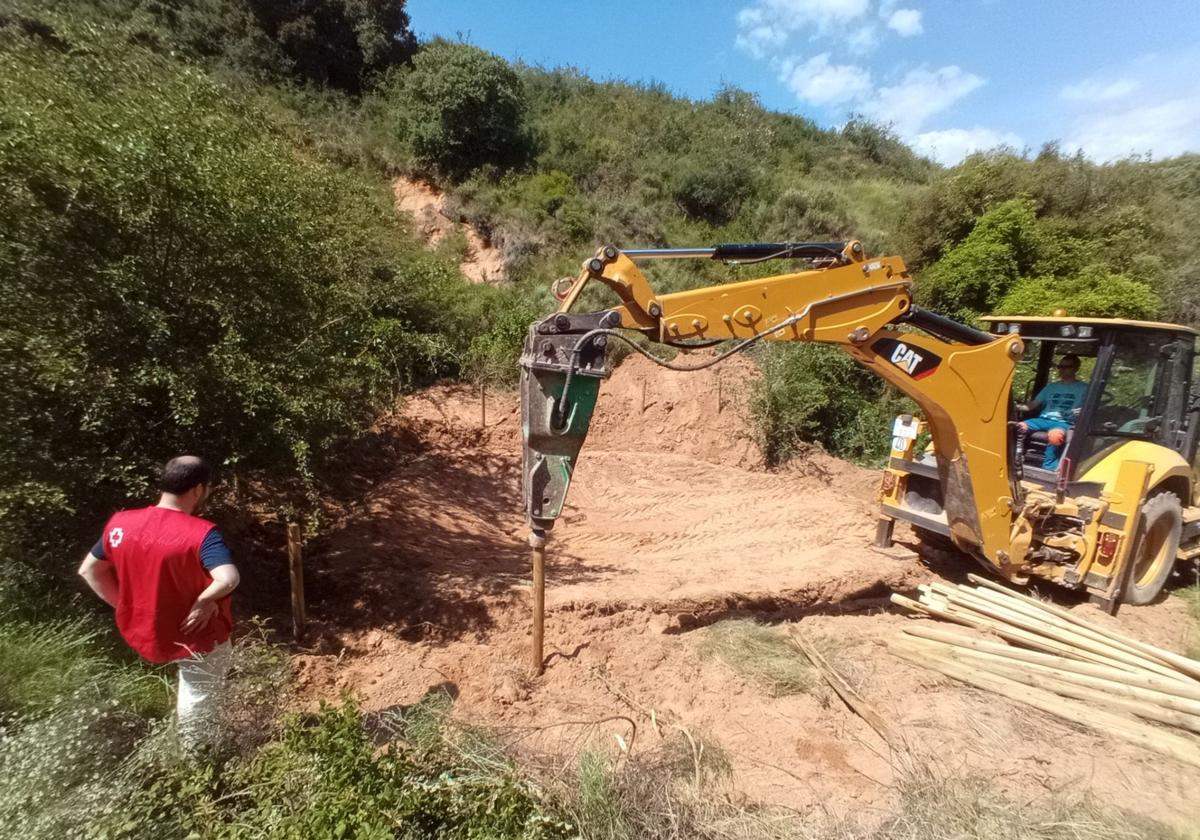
x=203 y=255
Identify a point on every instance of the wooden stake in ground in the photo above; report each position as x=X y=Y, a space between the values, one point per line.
x=296 y=567
x=537 y=545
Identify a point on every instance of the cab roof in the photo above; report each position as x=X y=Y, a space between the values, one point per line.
x=1110 y=323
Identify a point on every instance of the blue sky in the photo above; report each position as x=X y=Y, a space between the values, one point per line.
x=1111 y=78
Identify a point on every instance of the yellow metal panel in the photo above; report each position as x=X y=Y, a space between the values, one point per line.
x=1165 y=463
x=1129 y=491
x=827 y=304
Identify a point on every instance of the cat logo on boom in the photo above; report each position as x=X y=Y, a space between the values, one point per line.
x=917 y=363
x=905 y=358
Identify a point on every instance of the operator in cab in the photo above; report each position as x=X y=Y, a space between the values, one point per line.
x=1057 y=405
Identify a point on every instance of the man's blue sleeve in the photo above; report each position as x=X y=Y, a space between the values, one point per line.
x=213 y=551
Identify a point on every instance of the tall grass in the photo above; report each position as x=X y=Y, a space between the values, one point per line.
x=656 y=798
x=761 y=654
x=45 y=661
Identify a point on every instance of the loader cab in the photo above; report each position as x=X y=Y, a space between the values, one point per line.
x=1139 y=379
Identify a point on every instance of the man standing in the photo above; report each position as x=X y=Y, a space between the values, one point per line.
x=168 y=575
x=1057 y=405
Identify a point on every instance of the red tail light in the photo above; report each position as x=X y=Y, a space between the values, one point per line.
x=1108 y=546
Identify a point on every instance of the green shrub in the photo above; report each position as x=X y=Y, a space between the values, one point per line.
x=972 y=277
x=344 y=44
x=460 y=108
x=1095 y=292
x=323 y=776
x=816 y=394
x=492 y=356
x=800 y=214
x=881 y=145
x=713 y=190
x=180 y=278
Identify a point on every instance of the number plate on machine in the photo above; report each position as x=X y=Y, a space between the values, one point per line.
x=904 y=430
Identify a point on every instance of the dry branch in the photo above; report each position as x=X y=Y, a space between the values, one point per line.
x=844 y=690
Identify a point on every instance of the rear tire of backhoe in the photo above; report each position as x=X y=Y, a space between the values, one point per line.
x=1158 y=541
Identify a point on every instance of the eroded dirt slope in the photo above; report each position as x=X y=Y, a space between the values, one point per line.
x=426 y=206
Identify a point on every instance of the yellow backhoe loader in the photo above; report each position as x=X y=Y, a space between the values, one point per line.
x=1112 y=518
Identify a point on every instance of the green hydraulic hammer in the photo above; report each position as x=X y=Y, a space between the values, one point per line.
x=562 y=365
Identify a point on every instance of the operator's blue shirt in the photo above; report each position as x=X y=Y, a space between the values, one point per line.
x=213 y=551
x=1059 y=399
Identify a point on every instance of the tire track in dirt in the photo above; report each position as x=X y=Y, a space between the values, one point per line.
x=646 y=526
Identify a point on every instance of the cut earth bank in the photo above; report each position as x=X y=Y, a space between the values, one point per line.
x=672 y=526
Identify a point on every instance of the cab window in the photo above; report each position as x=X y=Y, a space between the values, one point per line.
x=1134 y=396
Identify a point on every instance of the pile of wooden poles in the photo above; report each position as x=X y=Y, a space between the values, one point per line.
x=1058 y=662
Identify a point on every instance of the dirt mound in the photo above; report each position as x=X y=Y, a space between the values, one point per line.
x=426 y=205
x=671 y=525
x=702 y=414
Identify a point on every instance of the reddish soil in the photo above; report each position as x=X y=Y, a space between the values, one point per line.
x=673 y=524
x=426 y=206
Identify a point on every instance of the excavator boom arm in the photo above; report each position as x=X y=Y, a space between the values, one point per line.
x=960 y=377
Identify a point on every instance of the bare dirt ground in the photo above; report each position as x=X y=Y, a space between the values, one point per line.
x=672 y=525
x=426 y=205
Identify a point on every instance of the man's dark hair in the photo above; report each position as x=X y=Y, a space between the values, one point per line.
x=181 y=474
x=1069 y=359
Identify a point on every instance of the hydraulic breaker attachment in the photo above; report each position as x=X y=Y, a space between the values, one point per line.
x=561 y=367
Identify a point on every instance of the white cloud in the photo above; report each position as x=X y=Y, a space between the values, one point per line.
x=822 y=83
x=918 y=96
x=951 y=145
x=863 y=39
x=905 y=22
x=1165 y=129
x=766 y=26
x=1091 y=90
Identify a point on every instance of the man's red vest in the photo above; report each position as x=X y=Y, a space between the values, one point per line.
x=156 y=552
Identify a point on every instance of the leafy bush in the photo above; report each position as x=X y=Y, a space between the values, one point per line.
x=492 y=354
x=814 y=393
x=179 y=278
x=345 y=44
x=883 y=146
x=1094 y=293
x=972 y=277
x=458 y=109
x=713 y=191
x=323 y=776
x=800 y=214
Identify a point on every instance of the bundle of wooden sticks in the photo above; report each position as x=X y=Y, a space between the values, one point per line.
x=1059 y=662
